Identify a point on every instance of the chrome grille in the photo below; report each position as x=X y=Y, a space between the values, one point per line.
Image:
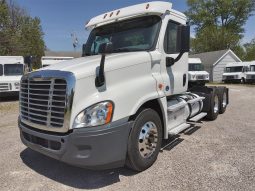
x=43 y=101
x=4 y=87
x=200 y=77
x=230 y=77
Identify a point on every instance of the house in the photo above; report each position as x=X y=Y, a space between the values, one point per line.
x=215 y=62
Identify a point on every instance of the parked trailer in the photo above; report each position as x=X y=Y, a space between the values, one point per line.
x=114 y=106
x=250 y=74
x=235 y=72
x=11 y=71
x=50 y=60
x=197 y=74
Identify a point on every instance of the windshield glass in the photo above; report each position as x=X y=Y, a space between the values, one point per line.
x=234 y=69
x=13 y=69
x=196 y=67
x=1 y=69
x=252 y=68
x=137 y=34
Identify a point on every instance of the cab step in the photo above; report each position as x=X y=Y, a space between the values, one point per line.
x=198 y=117
x=178 y=129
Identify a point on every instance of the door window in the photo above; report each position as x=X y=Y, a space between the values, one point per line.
x=171 y=41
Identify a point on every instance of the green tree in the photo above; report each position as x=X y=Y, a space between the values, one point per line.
x=219 y=24
x=20 y=34
x=250 y=50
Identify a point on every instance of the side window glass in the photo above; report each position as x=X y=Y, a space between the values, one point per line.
x=171 y=38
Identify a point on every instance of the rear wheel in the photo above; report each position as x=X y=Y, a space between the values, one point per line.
x=214 y=106
x=242 y=81
x=144 y=141
x=223 y=99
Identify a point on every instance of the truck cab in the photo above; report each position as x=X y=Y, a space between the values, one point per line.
x=50 y=60
x=250 y=74
x=197 y=74
x=235 y=72
x=114 y=106
x=11 y=70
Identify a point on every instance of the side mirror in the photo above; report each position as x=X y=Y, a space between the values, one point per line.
x=184 y=38
x=83 y=50
x=105 y=48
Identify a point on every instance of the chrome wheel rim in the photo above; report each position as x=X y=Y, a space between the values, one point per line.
x=216 y=104
x=148 y=139
x=224 y=100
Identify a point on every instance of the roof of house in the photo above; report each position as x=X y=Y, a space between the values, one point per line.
x=63 y=54
x=212 y=58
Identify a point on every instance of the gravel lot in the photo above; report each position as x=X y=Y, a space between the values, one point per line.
x=217 y=155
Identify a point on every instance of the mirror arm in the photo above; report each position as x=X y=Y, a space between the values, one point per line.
x=179 y=56
x=100 y=78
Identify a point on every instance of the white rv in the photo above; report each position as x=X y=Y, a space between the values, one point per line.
x=235 y=72
x=49 y=60
x=197 y=75
x=11 y=71
x=250 y=74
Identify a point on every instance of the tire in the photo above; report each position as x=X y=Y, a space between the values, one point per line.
x=213 y=112
x=242 y=81
x=223 y=96
x=148 y=123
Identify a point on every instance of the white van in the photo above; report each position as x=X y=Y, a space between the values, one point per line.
x=250 y=74
x=235 y=72
x=196 y=71
x=49 y=60
x=11 y=71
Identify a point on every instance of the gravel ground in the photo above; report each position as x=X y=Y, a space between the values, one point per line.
x=218 y=155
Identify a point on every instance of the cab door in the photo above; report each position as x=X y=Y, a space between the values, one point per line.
x=175 y=60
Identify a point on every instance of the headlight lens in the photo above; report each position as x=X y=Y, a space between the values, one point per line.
x=98 y=114
x=17 y=84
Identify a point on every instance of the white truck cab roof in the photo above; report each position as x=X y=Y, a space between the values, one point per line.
x=195 y=61
x=150 y=8
x=237 y=64
x=11 y=59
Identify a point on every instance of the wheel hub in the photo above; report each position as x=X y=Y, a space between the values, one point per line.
x=148 y=139
x=224 y=100
x=216 y=104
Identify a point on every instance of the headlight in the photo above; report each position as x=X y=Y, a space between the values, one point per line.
x=16 y=83
x=95 y=115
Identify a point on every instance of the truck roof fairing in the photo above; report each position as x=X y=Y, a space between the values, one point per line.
x=150 y=8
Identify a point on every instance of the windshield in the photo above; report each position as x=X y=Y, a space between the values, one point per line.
x=196 y=67
x=252 y=69
x=13 y=69
x=137 y=34
x=1 y=69
x=234 y=69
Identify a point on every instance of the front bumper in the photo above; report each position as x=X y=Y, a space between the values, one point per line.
x=250 y=80
x=232 y=80
x=9 y=93
x=93 y=149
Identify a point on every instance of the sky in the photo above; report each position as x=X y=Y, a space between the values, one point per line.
x=61 y=18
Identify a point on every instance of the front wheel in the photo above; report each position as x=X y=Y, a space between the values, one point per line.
x=144 y=141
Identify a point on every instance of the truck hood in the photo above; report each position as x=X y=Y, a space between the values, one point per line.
x=232 y=74
x=87 y=66
x=198 y=73
x=10 y=79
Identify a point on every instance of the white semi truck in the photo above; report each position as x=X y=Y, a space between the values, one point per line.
x=250 y=74
x=11 y=70
x=197 y=74
x=114 y=106
x=49 y=60
x=235 y=72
